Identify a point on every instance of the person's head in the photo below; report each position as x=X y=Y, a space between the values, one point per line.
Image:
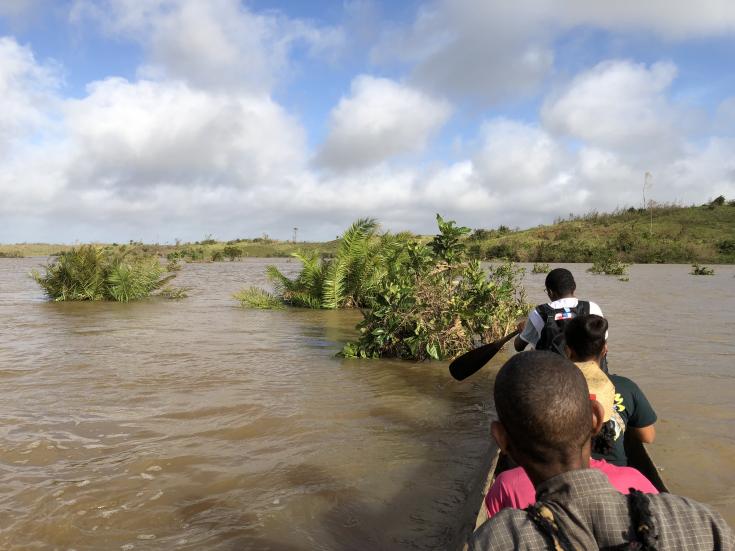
x=585 y=338
x=545 y=416
x=560 y=284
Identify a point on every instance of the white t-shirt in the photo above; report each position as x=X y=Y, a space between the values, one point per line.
x=532 y=332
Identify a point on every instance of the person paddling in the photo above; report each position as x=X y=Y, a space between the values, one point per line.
x=544 y=328
x=545 y=423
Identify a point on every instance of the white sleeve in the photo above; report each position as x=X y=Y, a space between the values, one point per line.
x=532 y=331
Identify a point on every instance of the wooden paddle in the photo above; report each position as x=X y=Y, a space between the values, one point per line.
x=472 y=361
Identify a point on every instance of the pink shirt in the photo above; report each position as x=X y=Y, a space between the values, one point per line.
x=513 y=488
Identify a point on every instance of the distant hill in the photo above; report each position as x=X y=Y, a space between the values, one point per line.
x=662 y=234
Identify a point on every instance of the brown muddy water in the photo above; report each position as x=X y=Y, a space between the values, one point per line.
x=199 y=425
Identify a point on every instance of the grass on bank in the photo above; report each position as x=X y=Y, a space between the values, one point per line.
x=704 y=233
x=661 y=234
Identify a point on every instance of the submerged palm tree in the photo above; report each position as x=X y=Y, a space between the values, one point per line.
x=346 y=280
x=93 y=273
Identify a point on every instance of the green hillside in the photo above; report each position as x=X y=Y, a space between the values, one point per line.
x=664 y=233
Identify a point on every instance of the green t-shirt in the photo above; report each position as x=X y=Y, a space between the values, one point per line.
x=632 y=409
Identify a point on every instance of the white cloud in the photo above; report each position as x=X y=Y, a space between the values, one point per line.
x=379 y=120
x=26 y=93
x=498 y=51
x=197 y=144
x=620 y=105
x=674 y=19
x=487 y=51
x=218 y=44
x=132 y=136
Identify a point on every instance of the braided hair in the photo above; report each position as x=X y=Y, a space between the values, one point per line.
x=604 y=441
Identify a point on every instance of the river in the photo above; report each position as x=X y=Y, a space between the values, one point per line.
x=199 y=425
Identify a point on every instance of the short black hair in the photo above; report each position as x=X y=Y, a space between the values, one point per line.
x=585 y=335
x=560 y=281
x=542 y=400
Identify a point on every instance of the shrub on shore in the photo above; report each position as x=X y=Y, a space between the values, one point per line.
x=540 y=268
x=606 y=263
x=434 y=301
x=92 y=273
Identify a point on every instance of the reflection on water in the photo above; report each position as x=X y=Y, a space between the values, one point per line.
x=199 y=425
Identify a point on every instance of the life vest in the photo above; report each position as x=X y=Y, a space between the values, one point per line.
x=556 y=319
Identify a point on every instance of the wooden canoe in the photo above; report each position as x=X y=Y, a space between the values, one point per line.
x=638 y=457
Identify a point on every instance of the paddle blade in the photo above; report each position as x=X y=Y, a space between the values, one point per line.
x=471 y=362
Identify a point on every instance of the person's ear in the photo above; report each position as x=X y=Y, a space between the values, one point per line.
x=604 y=350
x=598 y=416
x=500 y=435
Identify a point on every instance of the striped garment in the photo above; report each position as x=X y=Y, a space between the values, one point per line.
x=594 y=515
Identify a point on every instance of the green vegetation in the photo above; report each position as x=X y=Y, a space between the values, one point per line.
x=606 y=263
x=661 y=234
x=174 y=293
x=701 y=270
x=93 y=273
x=173 y=266
x=11 y=254
x=433 y=301
x=348 y=279
x=255 y=297
x=232 y=252
x=540 y=268
x=703 y=233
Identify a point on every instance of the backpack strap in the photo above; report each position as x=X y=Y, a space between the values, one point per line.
x=544 y=310
x=583 y=308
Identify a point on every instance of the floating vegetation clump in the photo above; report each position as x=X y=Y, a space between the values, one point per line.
x=434 y=301
x=697 y=269
x=255 y=297
x=540 y=268
x=93 y=273
x=174 y=293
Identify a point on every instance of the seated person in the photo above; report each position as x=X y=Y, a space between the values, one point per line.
x=586 y=346
x=544 y=328
x=513 y=488
x=577 y=507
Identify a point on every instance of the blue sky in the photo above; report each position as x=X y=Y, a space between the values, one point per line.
x=163 y=119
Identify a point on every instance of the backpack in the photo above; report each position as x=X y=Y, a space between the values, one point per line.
x=556 y=319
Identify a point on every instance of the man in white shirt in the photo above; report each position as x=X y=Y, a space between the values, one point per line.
x=544 y=329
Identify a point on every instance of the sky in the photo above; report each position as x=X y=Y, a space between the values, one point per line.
x=158 y=120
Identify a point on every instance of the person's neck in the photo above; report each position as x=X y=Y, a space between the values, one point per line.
x=541 y=472
x=553 y=297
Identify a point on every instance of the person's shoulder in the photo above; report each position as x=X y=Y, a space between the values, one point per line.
x=700 y=519
x=624 y=478
x=595 y=308
x=508 y=529
x=624 y=382
x=511 y=476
